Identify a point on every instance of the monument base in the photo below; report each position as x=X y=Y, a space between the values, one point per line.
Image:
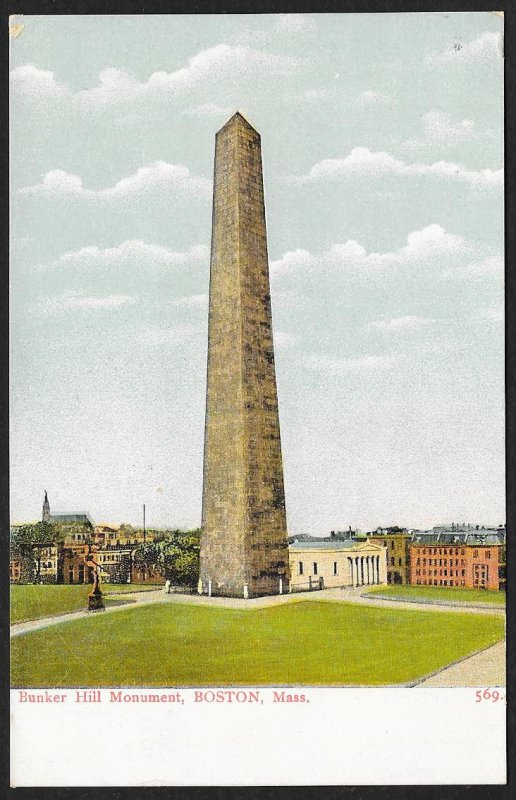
x=95 y=602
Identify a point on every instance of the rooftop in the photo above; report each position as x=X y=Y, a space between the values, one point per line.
x=67 y=517
x=334 y=544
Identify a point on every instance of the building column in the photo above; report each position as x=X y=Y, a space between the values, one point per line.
x=350 y=567
x=378 y=569
x=369 y=570
x=362 y=569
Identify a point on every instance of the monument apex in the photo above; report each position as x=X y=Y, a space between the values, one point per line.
x=244 y=548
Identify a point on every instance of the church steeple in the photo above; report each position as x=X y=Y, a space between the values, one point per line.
x=46 y=509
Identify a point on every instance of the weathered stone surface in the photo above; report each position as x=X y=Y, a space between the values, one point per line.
x=244 y=540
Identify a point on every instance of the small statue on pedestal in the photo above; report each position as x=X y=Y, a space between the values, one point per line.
x=95 y=602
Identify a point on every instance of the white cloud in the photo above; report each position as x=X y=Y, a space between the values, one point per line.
x=158 y=175
x=291 y=261
x=191 y=301
x=39 y=83
x=210 y=110
x=332 y=364
x=372 y=98
x=361 y=161
x=295 y=23
x=283 y=340
x=72 y=302
x=486 y=46
x=440 y=128
x=492 y=266
x=430 y=243
x=130 y=251
x=407 y=323
x=116 y=86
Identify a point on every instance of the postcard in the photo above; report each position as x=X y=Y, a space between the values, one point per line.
x=257 y=399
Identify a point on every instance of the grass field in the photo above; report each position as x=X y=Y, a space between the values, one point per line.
x=441 y=593
x=129 y=588
x=314 y=643
x=34 y=602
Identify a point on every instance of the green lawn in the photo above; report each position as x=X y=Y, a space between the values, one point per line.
x=314 y=643
x=34 y=602
x=441 y=593
x=128 y=588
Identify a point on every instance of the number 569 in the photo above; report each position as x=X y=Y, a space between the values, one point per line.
x=487 y=694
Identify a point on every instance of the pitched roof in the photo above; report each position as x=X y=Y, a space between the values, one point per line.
x=348 y=544
x=83 y=518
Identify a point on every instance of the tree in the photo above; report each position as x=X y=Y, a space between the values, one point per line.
x=181 y=557
x=29 y=541
x=148 y=557
x=175 y=556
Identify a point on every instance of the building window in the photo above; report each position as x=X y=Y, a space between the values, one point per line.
x=335 y=568
x=315 y=567
x=300 y=567
x=487 y=554
x=475 y=553
x=392 y=561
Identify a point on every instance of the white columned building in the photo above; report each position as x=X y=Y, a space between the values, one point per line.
x=329 y=564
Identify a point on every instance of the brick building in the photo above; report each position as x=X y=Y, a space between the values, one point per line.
x=15 y=566
x=476 y=562
x=75 y=570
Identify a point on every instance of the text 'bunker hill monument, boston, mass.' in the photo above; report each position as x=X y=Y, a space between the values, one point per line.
x=244 y=547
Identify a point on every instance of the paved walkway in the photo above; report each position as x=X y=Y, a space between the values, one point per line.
x=486 y=668
x=349 y=595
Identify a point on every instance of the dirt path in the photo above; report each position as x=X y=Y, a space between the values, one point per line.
x=349 y=595
x=482 y=669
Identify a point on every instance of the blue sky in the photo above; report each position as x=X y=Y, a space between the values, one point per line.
x=382 y=141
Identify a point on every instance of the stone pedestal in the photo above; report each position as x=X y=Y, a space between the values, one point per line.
x=95 y=601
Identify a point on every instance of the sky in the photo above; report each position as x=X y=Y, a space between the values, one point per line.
x=382 y=143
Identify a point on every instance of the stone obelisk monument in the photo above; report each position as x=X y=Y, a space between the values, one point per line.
x=244 y=549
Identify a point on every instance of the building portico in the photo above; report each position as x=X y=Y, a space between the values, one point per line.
x=323 y=565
